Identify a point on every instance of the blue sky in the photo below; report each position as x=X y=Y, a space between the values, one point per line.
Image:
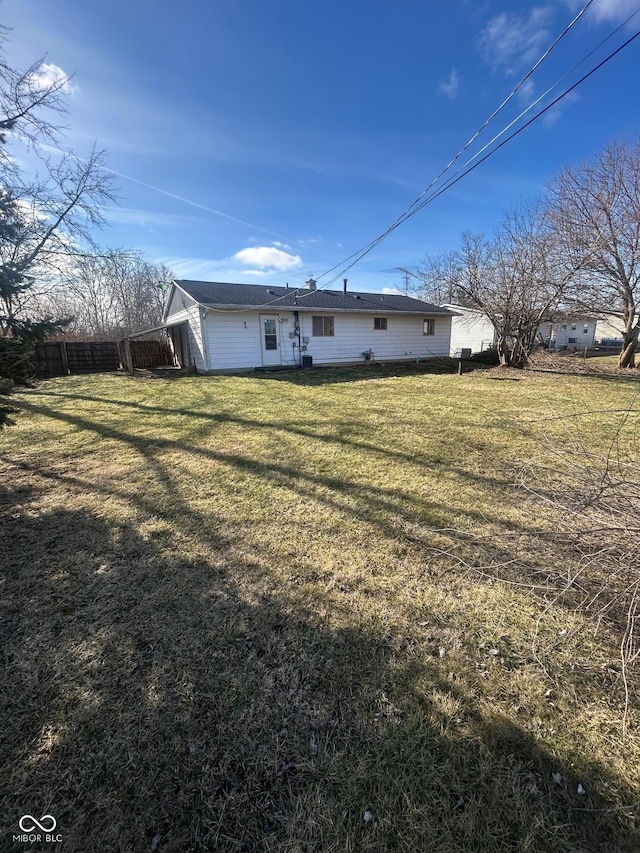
x=259 y=142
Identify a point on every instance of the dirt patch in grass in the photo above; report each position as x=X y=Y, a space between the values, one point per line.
x=241 y=613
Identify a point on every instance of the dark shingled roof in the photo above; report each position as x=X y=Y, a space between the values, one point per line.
x=219 y=294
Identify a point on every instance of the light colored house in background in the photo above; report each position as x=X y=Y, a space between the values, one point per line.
x=572 y=333
x=470 y=329
x=609 y=330
x=215 y=326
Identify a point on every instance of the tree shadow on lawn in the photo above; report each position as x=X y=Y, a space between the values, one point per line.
x=397 y=513
x=406 y=520
x=341 y=438
x=158 y=702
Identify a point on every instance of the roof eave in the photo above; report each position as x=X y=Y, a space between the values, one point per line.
x=266 y=309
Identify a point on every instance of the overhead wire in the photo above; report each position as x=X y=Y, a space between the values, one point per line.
x=487 y=121
x=420 y=202
x=504 y=103
x=461 y=174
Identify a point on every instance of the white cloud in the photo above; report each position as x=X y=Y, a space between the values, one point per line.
x=612 y=10
x=527 y=91
x=280 y=245
x=606 y=10
x=393 y=291
x=268 y=257
x=451 y=86
x=510 y=41
x=49 y=75
x=552 y=116
x=221 y=269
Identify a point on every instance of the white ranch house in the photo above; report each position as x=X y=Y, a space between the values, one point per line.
x=217 y=327
x=574 y=333
x=472 y=329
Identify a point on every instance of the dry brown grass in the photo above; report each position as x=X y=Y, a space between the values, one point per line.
x=238 y=613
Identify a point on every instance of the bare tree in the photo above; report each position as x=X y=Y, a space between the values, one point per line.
x=108 y=294
x=517 y=278
x=439 y=279
x=48 y=220
x=28 y=97
x=596 y=213
x=45 y=216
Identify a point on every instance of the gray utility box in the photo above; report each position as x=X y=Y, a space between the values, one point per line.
x=465 y=352
x=307 y=362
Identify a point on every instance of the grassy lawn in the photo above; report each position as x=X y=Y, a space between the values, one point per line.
x=238 y=613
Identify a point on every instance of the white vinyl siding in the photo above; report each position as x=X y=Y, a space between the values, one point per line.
x=234 y=342
x=191 y=316
x=471 y=329
x=233 y=339
x=560 y=335
x=179 y=301
x=354 y=334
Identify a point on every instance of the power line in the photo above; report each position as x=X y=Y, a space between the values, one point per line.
x=509 y=97
x=405 y=215
x=487 y=121
x=547 y=92
x=413 y=209
x=421 y=202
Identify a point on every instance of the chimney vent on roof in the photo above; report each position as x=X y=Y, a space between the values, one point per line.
x=344 y=285
x=311 y=284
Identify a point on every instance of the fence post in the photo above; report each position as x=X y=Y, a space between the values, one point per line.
x=65 y=358
x=127 y=355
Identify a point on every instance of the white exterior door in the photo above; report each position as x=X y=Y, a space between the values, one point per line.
x=270 y=339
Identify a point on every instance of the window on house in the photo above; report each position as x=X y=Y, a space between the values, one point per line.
x=573 y=327
x=428 y=327
x=380 y=324
x=322 y=327
x=564 y=327
x=270 y=334
x=585 y=329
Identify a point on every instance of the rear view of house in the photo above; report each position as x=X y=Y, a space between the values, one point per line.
x=215 y=326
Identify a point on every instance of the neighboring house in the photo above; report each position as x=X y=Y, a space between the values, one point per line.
x=470 y=329
x=215 y=326
x=609 y=330
x=574 y=333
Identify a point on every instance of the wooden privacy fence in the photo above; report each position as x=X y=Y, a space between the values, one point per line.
x=147 y=353
x=64 y=357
